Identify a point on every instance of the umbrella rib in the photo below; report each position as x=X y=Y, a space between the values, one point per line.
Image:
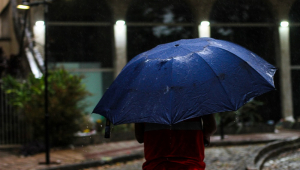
x=247 y=63
x=272 y=86
x=171 y=94
x=218 y=80
x=268 y=83
x=213 y=72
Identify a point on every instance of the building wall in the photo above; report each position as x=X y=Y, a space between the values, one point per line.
x=3 y=4
x=8 y=40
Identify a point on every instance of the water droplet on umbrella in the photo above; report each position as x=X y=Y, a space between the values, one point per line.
x=167 y=90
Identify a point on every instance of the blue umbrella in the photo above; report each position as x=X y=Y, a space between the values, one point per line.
x=185 y=79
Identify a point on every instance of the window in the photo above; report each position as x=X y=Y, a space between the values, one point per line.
x=151 y=23
x=80 y=32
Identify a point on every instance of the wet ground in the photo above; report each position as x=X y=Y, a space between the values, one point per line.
x=229 y=157
x=225 y=158
x=285 y=161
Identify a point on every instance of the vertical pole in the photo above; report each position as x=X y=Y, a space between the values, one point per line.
x=23 y=34
x=46 y=84
x=222 y=128
x=5 y=120
x=11 y=124
x=2 y=115
x=107 y=129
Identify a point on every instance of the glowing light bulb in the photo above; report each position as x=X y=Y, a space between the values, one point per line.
x=120 y=22
x=284 y=24
x=205 y=23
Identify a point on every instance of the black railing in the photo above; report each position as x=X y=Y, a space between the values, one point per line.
x=13 y=128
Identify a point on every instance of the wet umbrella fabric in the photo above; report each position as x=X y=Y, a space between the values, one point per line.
x=184 y=79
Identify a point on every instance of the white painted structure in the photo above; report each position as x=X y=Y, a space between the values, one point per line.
x=120 y=36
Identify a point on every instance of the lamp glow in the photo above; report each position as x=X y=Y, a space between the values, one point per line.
x=23 y=6
x=205 y=23
x=284 y=24
x=39 y=23
x=120 y=22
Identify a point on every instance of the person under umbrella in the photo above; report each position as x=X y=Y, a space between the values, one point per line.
x=168 y=90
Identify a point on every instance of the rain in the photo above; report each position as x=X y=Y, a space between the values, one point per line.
x=59 y=58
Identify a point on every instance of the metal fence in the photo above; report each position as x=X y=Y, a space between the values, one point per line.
x=13 y=128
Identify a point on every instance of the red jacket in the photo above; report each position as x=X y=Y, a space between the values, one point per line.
x=174 y=147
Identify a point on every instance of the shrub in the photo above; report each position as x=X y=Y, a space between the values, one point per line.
x=247 y=114
x=65 y=106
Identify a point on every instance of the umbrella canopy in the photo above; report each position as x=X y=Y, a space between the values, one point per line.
x=185 y=79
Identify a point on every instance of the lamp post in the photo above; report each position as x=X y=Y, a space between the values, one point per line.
x=26 y=5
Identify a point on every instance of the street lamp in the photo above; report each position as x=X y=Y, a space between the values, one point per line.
x=26 y=5
x=23 y=7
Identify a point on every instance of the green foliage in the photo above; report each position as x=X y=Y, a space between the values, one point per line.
x=246 y=114
x=65 y=106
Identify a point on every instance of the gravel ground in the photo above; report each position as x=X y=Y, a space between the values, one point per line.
x=224 y=158
x=228 y=157
x=285 y=161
